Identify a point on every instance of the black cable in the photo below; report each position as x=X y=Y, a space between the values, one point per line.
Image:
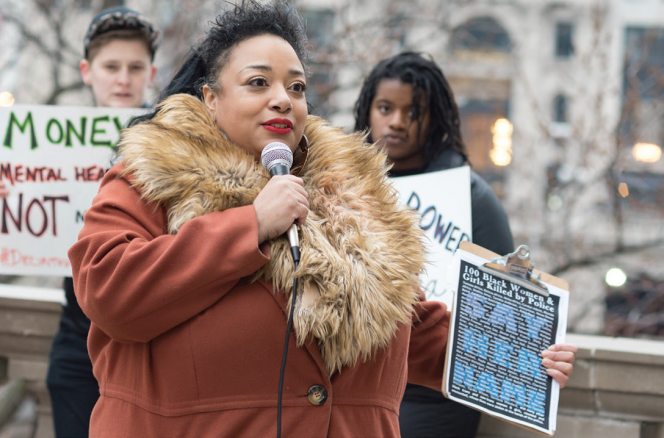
x=296 y=258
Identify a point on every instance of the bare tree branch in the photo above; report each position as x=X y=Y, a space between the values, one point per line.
x=595 y=259
x=52 y=98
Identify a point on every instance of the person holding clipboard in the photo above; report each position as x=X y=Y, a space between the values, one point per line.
x=409 y=109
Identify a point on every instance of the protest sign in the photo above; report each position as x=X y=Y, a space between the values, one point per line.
x=443 y=201
x=498 y=328
x=52 y=159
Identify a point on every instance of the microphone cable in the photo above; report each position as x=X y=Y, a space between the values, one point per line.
x=295 y=251
x=277 y=159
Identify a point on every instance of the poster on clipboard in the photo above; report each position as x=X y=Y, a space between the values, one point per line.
x=504 y=315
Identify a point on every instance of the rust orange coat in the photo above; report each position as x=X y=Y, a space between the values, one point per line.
x=206 y=360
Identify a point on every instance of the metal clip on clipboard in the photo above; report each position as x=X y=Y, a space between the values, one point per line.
x=517 y=268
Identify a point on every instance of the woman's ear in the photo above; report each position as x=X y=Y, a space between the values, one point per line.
x=210 y=99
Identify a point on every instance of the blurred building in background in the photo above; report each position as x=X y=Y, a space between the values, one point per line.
x=562 y=105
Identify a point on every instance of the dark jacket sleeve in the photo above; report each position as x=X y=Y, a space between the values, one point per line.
x=491 y=229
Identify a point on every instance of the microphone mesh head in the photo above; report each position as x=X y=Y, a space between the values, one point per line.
x=276 y=153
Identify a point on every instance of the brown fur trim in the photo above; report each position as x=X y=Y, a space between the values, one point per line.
x=362 y=249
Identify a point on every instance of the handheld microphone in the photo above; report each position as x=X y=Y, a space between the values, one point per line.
x=277 y=159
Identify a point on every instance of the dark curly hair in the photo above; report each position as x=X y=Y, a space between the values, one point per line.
x=427 y=80
x=242 y=21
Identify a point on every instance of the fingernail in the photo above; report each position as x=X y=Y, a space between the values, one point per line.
x=549 y=371
x=546 y=353
x=547 y=362
x=553 y=347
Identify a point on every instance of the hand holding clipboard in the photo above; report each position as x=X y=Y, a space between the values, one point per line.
x=506 y=317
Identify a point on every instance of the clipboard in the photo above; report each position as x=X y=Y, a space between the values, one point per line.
x=504 y=312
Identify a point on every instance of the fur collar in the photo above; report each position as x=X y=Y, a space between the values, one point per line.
x=363 y=251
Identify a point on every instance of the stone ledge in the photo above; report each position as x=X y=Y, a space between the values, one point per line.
x=568 y=426
x=617 y=364
x=616 y=377
x=644 y=407
x=629 y=377
x=29 y=318
x=29 y=321
x=29 y=369
x=31 y=305
x=18 y=296
x=627 y=350
x=28 y=345
x=578 y=400
x=627 y=406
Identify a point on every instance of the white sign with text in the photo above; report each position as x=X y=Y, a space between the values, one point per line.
x=443 y=201
x=52 y=159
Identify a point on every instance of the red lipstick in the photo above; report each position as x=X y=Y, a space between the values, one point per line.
x=278 y=126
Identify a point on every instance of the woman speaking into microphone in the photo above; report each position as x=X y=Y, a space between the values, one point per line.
x=186 y=274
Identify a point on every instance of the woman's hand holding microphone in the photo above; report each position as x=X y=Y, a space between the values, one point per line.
x=282 y=202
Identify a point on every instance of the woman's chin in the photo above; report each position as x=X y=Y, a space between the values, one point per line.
x=287 y=140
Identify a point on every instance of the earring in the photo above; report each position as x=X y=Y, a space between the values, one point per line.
x=304 y=143
x=300 y=156
x=224 y=134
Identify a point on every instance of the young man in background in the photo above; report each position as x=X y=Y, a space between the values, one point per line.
x=119 y=48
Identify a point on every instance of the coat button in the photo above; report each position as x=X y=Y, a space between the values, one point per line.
x=317 y=395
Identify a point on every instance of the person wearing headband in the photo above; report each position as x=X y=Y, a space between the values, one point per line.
x=119 y=49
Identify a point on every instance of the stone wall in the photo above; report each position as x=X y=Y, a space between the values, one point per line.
x=29 y=318
x=616 y=391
